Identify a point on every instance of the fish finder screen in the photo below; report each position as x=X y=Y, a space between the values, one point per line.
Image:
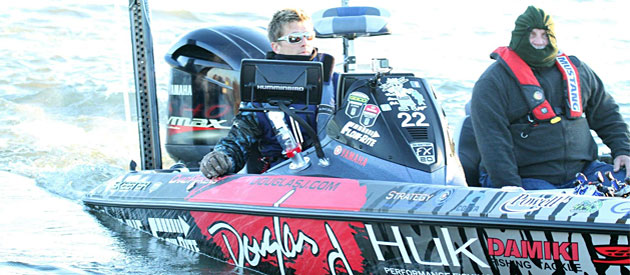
x=291 y=82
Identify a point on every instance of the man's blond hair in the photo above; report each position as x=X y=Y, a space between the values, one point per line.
x=283 y=17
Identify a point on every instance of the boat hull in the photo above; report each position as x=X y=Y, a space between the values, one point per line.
x=308 y=225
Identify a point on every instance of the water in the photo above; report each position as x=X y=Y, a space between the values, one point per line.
x=66 y=126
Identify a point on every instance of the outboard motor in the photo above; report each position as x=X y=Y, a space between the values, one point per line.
x=204 y=90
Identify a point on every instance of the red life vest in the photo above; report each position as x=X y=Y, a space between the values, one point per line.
x=532 y=91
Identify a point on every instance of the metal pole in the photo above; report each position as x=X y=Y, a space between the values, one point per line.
x=346 y=65
x=349 y=60
x=146 y=96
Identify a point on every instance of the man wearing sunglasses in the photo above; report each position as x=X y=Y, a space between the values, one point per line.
x=291 y=34
x=533 y=110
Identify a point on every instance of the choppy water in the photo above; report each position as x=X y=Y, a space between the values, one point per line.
x=66 y=124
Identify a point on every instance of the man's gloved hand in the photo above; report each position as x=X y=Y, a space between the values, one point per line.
x=215 y=164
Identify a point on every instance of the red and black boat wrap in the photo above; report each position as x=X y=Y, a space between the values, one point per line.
x=318 y=225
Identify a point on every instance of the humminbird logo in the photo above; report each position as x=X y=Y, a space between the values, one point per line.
x=280 y=88
x=574 y=94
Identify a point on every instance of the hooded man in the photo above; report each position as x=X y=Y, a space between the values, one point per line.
x=291 y=33
x=532 y=111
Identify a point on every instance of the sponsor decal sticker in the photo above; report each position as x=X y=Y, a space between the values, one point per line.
x=360 y=133
x=406 y=246
x=288 y=246
x=615 y=254
x=424 y=152
x=187 y=179
x=621 y=208
x=351 y=155
x=281 y=88
x=175 y=123
x=326 y=184
x=175 y=89
x=405 y=271
x=443 y=197
x=470 y=203
x=551 y=266
x=286 y=243
x=338 y=150
x=356 y=101
x=406 y=99
x=409 y=196
x=586 y=206
x=524 y=203
x=524 y=249
x=369 y=115
x=385 y=107
x=130 y=186
x=174 y=231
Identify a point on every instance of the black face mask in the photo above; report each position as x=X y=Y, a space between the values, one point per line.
x=534 y=18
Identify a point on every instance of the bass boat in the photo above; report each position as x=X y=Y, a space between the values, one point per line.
x=381 y=191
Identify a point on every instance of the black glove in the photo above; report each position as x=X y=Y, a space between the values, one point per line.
x=215 y=164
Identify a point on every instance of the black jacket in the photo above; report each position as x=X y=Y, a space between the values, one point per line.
x=554 y=153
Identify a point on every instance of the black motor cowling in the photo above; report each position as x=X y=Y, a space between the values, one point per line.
x=204 y=90
x=394 y=119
